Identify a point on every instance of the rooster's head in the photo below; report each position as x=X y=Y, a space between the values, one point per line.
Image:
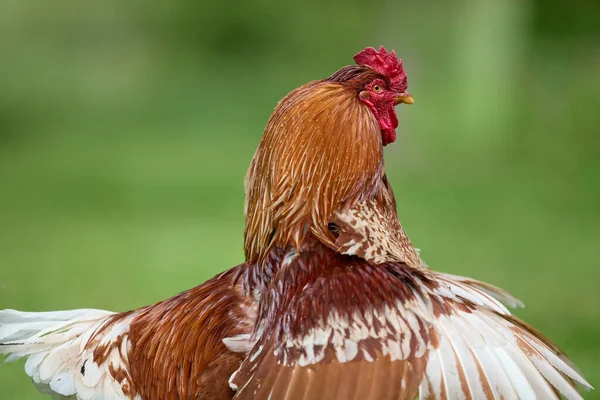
x=380 y=83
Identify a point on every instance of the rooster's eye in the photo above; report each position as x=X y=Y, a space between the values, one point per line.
x=377 y=88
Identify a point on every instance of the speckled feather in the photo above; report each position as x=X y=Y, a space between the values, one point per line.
x=371 y=230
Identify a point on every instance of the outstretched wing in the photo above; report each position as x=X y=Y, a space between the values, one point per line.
x=446 y=338
x=484 y=352
x=170 y=350
x=70 y=353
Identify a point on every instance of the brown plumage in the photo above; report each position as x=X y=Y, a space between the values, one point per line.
x=336 y=327
x=176 y=346
x=174 y=349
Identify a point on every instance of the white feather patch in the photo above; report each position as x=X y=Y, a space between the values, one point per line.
x=477 y=348
x=59 y=354
x=239 y=343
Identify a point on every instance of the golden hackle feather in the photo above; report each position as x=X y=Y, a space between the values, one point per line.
x=321 y=151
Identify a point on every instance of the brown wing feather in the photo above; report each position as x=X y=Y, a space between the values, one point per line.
x=176 y=346
x=338 y=327
x=381 y=379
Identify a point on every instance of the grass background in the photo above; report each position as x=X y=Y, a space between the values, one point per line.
x=126 y=129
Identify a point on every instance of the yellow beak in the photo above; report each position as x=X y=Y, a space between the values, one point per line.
x=405 y=98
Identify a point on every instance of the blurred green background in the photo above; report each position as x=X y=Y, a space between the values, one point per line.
x=126 y=128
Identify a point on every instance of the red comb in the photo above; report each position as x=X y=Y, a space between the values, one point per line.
x=385 y=64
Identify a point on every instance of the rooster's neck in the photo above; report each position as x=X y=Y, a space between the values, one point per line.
x=321 y=153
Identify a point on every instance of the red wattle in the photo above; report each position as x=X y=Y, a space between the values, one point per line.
x=388 y=136
x=388 y=123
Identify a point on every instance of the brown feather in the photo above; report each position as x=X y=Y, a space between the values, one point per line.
x=176 y=349
x=332 y=326
x=381 y=379
x=321 y=152
x=309 y=294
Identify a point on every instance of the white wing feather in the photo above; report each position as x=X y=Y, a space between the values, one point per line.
x=60 y=354
x=482 y=350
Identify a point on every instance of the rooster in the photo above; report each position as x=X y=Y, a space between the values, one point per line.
x=348 y=310
x=333 y=301
x=318 y=171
